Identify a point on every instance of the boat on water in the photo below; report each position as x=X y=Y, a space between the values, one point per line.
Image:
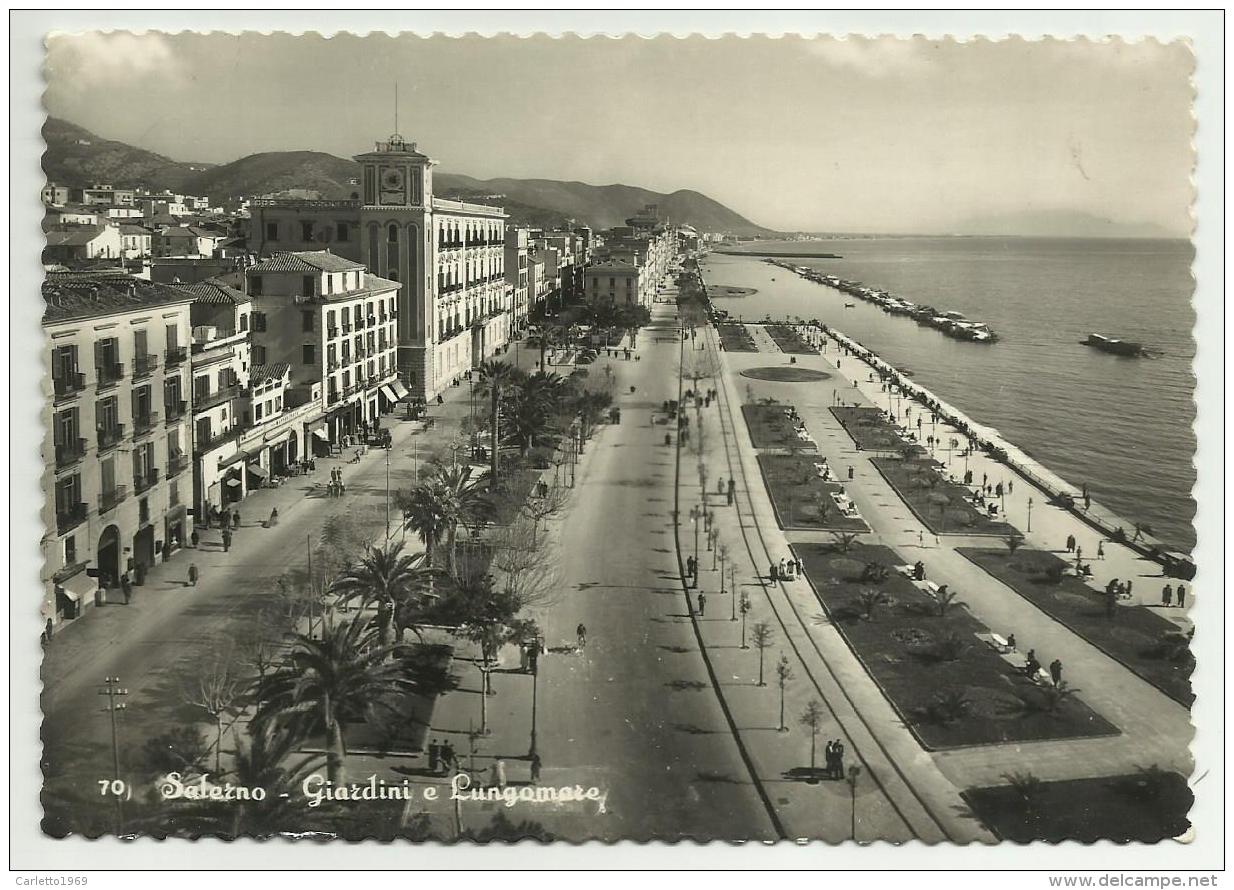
x=849 y=305
x=1114 y=346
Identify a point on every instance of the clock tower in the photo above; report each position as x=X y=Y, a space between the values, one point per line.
x=396 y=243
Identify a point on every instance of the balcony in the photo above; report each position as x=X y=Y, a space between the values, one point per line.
x=216 y=439
x=372 y=320
x=69 y=385
x=203 y=402
x=144 y=423
x=109 y=500
x=144 y=366
x=110 y=374
x=70 y=452
x=175 y=410
x=346 y=327
x=177 y=463
x=176 y=355
x=70 y=517
x=110 y=436
x=332 y=366
x=333 y=397
x=331 y=332
x=145 y=480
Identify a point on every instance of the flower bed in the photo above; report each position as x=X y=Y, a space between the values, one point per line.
x=869 y=429
x=771 y=427
x=735 y=338
x=949 y=687
x=1149 y=645
x=797 y=492
x=940 y=504
x=1144 y=807
x=789 y=340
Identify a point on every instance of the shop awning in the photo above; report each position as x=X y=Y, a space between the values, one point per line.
x=389 y=393
x=321 y=433
x=401 y=390
x=79 y=586
x=234 y=458
x=234 y=482
x=257 y=471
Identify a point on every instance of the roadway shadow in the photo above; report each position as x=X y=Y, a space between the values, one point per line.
x=686 y=685
x=809 y=775
x=691 y=729
x=677 y=649
x=715 y=778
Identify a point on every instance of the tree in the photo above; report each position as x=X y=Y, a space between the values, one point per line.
x=219 y=691
x=541 y=507
x=812 y=719
x=784 y=673
x=497 y=377
x=761 y=635
x=844 y=540
x=1027 y=785
x=525 y=566
x=424 y=513
x=395 y=582
x=945 y=599
x=869 y=601
x=461 y=502
x=347 y=674
x=948 y=707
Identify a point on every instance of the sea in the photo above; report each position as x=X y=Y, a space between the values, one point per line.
x=1121 y=425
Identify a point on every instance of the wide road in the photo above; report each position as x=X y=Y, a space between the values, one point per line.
x=636 y=712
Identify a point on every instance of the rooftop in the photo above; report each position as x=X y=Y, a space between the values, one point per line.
x=213 y=292
x=306 y=261
x=263 y=373
x=74 y=235
x=71 y=295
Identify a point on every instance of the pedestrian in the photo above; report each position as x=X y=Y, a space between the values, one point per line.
x=720 y=486
x=1101 y=550
x=1010 y=484
x=1127 y=589
x=1182 y=596
x=839 y=756
x=581 y=632
x=192 y=575
x=919 y=571
x=690 y=566
x=434 y=757
x=732 y=491
x=535 y=769
x=1031 y=664
x=850 y=473
x=830 y=759
x=1112 y=587
x=226 y=539
x=194 y=539
x=1079 y=553
x=702 y=604
x=274 y=516
x=448 y=757
x=440 y=400
x=235 y=519
x=983 y=480
x=773 y=572
x=783 y=569
x=1056 y=671
x=342 y=489
x=1011 y=642
x=1088 y=502
x=998 y=490
x=499 y=774
x=126 y=587
x=1166 y=595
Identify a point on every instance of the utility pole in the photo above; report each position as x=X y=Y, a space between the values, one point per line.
x=387 y=494
x=312 y=585
x=112 y=690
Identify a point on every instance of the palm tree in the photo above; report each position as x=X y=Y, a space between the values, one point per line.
x=869 y=601
x=844 y=540
x=945 y=599
x=347 y=674
x=394 y=581
x=1013 y=542
x=424 y=514
x=532 y=408
x=496 y=378
x=461 y=501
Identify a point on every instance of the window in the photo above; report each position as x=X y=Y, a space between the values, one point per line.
x=344 y=233
x=310 y=354
x=255 y=285
x=257 y=412
x=307 y=320
x=70 y=550
x=272 y=231
x=173 y=336
x=307 y=285
x=306 y=230
x=259 y=323
x=174 y=492
x=392 y=233
x=259 y=355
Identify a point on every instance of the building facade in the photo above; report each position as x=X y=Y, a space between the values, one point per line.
x=116 y=470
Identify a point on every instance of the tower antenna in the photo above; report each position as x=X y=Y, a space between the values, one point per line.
x=396 y=106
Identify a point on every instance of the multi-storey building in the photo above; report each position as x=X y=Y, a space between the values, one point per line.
x=517 y=243
x=115 y=456
x=335 y=325
x=449 y=256
x=619 y=280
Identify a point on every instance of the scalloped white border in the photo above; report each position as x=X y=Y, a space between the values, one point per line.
x=31 y=849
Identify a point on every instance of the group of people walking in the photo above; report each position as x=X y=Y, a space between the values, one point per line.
x=834 y=758
x=335 y=487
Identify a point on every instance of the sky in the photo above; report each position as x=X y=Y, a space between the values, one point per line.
x=818 y=134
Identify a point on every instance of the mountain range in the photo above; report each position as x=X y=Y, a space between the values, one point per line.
x=77 y=157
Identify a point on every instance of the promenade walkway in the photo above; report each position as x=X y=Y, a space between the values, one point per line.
x=1155 y=729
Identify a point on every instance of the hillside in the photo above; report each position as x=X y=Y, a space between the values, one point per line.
x=1060 y=223
x=76 y=156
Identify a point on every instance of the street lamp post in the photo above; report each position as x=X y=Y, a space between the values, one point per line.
x=535 y=682
x=112 y=690
x=853 y=772
x=695 y=517
x=1030 y=515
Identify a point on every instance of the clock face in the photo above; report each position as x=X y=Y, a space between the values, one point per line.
x=393 y=186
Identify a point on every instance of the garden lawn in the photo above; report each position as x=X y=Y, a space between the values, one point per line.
x=789 y=340
x=949 y=687
x=771 y=427
x=797 y=492
x=942 y=505
x=1147 y=644
x=735 y=338
x=869 y=429
x=1145 y=807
